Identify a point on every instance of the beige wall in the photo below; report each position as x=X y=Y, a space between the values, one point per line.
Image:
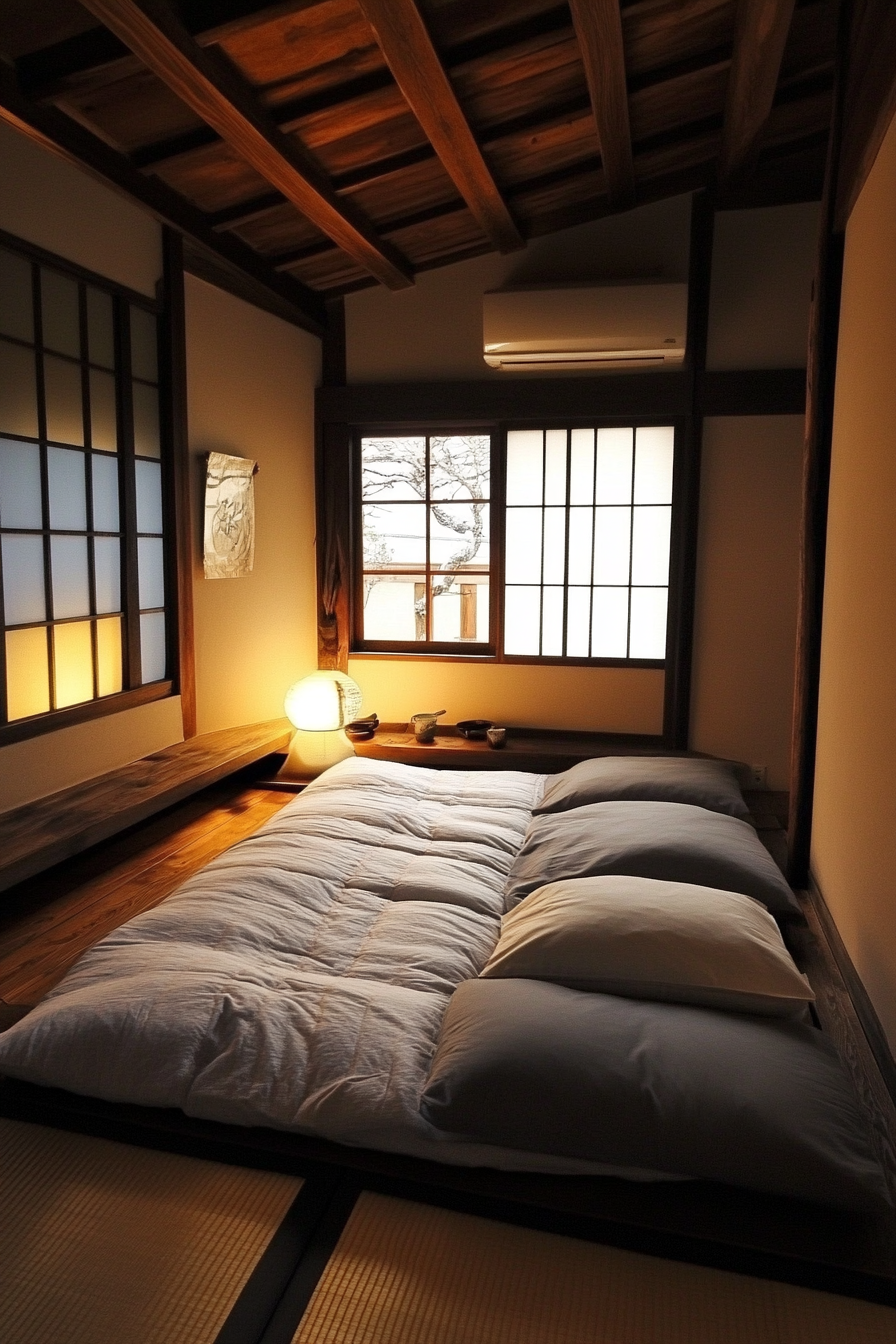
x=250 y=382
x=854 y=826
x=747 y=568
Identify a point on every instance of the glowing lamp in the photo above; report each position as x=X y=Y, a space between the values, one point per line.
x=319 y=707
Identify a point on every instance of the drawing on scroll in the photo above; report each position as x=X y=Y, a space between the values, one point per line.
x=229 y=540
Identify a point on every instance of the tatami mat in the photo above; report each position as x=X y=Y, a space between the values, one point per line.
x=405 y=1273
x=104 y=1243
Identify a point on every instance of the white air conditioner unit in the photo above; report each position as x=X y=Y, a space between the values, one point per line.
x=595 y=326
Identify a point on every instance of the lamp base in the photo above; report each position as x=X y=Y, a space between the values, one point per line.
x=312 y=753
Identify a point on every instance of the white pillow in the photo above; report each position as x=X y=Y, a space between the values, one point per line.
x=646 y=939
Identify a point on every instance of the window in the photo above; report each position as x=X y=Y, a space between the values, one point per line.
x=575 y=543
x=82 y=532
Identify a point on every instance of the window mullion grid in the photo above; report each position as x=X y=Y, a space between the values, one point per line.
x=631 y=550
x=88 y=483
x=128 y=496
x=564 y=634
x=544 y=476
x=593 y=543
x=427 y=586
x=49 y=605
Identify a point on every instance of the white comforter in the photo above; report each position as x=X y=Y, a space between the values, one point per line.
x=300 y=980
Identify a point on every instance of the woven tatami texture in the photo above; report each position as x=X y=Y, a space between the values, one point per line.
x=405 y=1273
x=103 y=1243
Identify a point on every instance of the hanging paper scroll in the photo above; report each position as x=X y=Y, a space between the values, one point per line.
x=229 y=541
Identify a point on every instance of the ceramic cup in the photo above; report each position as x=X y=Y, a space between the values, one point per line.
x=496 y=737
x=425 y=725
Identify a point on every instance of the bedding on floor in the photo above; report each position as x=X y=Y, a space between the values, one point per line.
x=312 y=977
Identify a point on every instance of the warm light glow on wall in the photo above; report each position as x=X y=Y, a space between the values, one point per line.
x=323 y=702
x=108 y=655
x=73 y=658
x=27 y=683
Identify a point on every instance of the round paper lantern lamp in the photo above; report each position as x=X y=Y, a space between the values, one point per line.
x=319 y=706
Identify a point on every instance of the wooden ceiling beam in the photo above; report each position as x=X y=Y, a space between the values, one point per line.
x=760 y=35
x=215 y=93
x=598 y=25
x=409 y=52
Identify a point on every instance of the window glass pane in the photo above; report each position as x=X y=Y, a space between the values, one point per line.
x=68 y=566
x=554 y=563
x=59 y=313
x=578 y=620
x=65 y=414
x=648 y=637
x=108 y=656
x=23 y=580
x=104 y=471
x=555 y=466
x=612 y=545
x=73 y=663
x=107 y=573
x=522 y=620
x=614 y=466
x=525 y=466
x=395 y=607
x=152 y=646
x=654 y=458
x=394 y=535
x=100 y=330
x=581 y=466
x=149 y=496
x=27 y=678
x=144 y=345
x=552 y=623
x=20 y=493
x=609 y=623
x=68 y=494
x=18 y=390
x=460 y=608
x=460 y=466
x=146 y=420
x=150 y=573
x=650 y=545
x=393 y=468
x=16 y=302
x=581 y=523
x=103 y=422
x=458 y=535
x=523 y=545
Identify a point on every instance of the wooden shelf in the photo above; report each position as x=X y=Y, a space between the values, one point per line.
x=541 y=750
x=42 y=833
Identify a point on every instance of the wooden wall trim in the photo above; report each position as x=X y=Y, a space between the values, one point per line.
x=333 y=352
x=333 y=500
x=870 y=98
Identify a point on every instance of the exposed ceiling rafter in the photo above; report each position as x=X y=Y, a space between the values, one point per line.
x=760 y=35
x=598 y=25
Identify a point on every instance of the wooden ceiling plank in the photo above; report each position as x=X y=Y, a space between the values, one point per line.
x=598 y=25
x=418 y=72
x=151 y=30
x=760 y=35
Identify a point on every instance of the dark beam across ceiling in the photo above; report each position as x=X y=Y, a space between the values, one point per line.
x=598 y=25
x=760 y=35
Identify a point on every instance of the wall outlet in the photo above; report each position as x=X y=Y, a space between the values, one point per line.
x=759 y=776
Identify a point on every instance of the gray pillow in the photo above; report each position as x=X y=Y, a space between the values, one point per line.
x=658 y=779
x=668 y=941
x=756 y=1102
x=671 y=841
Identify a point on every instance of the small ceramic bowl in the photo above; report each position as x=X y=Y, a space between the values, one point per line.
x=474 y=727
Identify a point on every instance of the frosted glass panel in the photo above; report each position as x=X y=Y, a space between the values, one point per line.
x=654 y=459
x=108 y=656
x=104 y=471
x=395 y=607
x=555 y=466
x=107 y=573
x=18 y=395
x=609 y=623
x=68 y=565
x=523 y=545
x=552 y=623
x=612 y=544
x=394 y=535
x=103 y=425
x=578 y=621
x=23 y=580
x=149 y=496
x=144 y=347
x=522 y=620
x=20 y=493
x=580 y=525
x=68 y=493
x=614 y=466
x=59 y=309
x=554 y=565
x=650 y=545
x=581 y=466
x=62 y=386
x=152 y=646
x=150 y=571
x=458 y=535
x=73 y=663
x=100 y=330
x=27 y=678
x=648 y=635
x=525 y=466
x=16 y=303
x=146 y=420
